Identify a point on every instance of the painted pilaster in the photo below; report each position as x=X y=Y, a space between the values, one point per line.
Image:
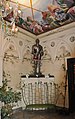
x=1 y=55
x=1 y=70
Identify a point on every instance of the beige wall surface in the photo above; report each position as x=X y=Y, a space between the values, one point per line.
x=16 y=57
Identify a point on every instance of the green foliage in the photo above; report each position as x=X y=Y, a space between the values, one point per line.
x=8 y=97
x=6 y=111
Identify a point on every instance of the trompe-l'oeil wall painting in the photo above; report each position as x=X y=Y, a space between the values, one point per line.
x=37 y=16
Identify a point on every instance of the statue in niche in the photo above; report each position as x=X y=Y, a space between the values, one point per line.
x=37 y=53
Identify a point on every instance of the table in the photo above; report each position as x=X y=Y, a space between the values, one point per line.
x=37 y=91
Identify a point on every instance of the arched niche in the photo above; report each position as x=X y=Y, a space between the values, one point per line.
x=63 y=50
x=8 y=42
x=11 y=63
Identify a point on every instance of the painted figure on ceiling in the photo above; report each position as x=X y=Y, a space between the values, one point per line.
x=34 y=25
x=48 y=21
x=57 y=12
x=69 y=3
x=71 y=13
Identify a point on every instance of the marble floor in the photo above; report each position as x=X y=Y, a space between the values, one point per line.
x=44 y=114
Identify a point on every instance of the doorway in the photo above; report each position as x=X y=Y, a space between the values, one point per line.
x=71 y=83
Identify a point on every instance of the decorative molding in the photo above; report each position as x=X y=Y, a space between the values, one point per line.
x=72 y=38
x=20 y=43
x=57 y=30
x=52 y=44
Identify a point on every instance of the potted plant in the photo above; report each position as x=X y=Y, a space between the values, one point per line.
x=8 y=97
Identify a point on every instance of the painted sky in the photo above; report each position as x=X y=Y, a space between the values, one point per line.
x=37 y=4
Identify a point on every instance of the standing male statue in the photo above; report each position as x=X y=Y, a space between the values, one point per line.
x=37 y=51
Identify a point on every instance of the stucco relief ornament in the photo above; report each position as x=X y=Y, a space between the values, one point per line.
x=72 y=38
x=52 y=44
x=20 y=43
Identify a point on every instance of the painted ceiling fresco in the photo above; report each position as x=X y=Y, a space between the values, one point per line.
x=40 y=16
